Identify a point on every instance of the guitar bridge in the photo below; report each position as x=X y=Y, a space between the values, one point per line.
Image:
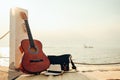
x=36 y=60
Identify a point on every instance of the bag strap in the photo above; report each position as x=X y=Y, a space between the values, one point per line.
x=73 y=65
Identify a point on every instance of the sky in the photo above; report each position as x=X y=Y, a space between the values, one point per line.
x=89 y=20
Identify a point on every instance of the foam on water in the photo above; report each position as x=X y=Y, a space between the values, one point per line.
x=4 y=56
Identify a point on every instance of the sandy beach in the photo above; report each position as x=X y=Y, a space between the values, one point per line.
x=86 y=72
x=101 y=72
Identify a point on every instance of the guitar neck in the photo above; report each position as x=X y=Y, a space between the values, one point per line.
x=29 y=34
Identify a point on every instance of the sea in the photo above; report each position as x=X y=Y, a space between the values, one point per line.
x=81 y=53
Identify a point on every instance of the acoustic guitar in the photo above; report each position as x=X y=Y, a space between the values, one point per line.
x=34 y=60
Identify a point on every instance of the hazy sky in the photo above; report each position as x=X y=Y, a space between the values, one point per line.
x=97 y=20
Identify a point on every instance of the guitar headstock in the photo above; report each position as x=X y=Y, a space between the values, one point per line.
x=23 y=15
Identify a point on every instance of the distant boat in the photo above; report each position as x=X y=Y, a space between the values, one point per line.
x=85 y=46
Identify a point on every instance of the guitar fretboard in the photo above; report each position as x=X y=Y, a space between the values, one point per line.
x=29 y=34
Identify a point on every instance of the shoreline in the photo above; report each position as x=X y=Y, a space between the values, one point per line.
x=97 y=72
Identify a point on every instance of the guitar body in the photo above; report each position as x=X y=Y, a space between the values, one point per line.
x=34 y=60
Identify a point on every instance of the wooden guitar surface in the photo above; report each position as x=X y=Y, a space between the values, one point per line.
x=34 y=61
